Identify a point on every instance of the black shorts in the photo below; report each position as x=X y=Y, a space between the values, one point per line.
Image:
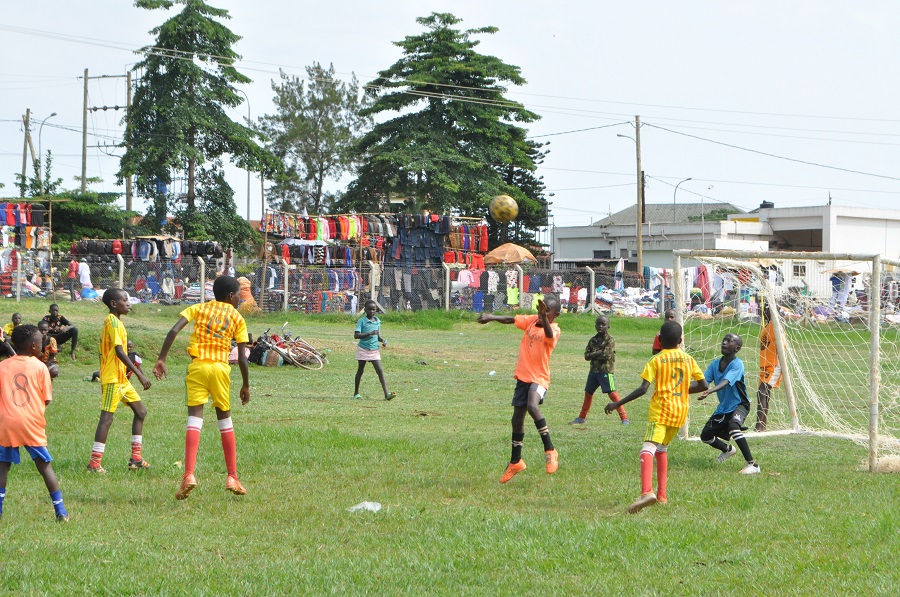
x=717 y=425
x=605 y=381
x=523 y=388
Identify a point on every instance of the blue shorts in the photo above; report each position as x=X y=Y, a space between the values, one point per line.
x=12 y=454
x=604 y=381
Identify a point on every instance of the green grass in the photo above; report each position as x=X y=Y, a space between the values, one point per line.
x=812 y=522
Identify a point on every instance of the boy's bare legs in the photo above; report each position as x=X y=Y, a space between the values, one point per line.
x=762 y=406
x=4 y=473
x=103 y=425
x=137 y=439
x=534 y=409
x=229 y=449
x=46 y=471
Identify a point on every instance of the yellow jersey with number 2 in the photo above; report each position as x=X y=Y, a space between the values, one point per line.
x=215 y=324
x=672 y=370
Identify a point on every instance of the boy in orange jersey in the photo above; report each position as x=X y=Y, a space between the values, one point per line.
x=676 y=375
x=25 y=391
x=115 y=387
x=532 y=379
x=216 y=323
x=769 y=370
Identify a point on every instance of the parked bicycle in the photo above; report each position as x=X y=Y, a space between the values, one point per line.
x=293 y=351
x=302 y=352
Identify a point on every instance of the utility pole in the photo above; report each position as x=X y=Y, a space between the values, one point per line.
x=27 y=120
x=128 y=190
x=640 y=197
x=84 y=136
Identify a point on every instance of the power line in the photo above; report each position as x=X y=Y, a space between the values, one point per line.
x=593 y=128
x=772 y=155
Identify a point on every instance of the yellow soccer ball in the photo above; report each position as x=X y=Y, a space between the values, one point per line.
x=504 y=208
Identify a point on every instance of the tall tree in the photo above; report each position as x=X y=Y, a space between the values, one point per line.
x=177 y=123
x=313 y=132
x=455 y=137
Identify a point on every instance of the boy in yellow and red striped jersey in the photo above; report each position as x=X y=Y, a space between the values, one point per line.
x=676 y=375
x=114 y=384
x=216 y=323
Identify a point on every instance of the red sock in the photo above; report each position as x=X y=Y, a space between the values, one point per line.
x=136 y=442
x=646 y=472
x=586 y=405
x=229 y=446
x=192 y=444
x=97 y=454
x=614 y=397
x=662 y=473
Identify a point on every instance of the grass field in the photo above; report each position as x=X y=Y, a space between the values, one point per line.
x=812 y=522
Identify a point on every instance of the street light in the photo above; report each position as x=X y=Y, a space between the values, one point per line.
x=248 y=169
x=674 y=193
x=40 y=150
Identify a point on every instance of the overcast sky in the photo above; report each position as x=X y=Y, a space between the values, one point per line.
x=755 y=100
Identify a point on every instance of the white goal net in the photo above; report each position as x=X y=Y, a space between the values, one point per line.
x=838 y=321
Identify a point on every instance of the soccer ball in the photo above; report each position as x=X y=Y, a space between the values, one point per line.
x=504 y=208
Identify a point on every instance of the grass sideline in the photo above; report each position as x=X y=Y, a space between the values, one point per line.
x=307 y=451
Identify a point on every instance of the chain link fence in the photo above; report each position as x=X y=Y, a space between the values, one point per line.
x=294 y=285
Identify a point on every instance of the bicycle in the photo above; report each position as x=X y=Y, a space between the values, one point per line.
x=302 y=353
x=272 y=344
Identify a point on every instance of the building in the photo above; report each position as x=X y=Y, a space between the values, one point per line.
x=828 y=228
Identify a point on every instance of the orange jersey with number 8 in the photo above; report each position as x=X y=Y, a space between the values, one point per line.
x=672 y=371
x=215 y=324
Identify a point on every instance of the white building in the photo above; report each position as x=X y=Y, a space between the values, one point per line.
x=828 y=228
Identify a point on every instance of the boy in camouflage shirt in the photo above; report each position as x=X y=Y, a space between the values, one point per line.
x=601 y=352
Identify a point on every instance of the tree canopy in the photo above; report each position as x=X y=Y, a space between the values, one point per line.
x=177 y=129
x=313 y=131
x=447 y=139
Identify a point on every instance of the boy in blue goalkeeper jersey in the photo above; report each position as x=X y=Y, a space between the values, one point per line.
x=726 y=376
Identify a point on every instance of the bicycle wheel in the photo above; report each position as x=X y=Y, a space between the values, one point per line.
x=304 y=345
x=305 y=358
x=286 y=355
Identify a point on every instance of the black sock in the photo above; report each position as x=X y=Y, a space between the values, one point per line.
x=738 y=436
x=720 y=445
x=545 y=434
x=517 y=439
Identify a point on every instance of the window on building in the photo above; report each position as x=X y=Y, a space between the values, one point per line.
x=623 y=253
x=799 y=270
x=602 y=254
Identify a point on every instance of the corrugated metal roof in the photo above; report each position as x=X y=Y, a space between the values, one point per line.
x=658 y=213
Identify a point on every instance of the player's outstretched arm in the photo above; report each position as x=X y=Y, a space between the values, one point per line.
x=487 y=317
x=703 y=394
x=698 y=385
x=637 y=393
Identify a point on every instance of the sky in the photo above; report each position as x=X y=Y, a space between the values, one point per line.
x=753 y=100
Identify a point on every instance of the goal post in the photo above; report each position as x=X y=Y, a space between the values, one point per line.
x=836 y=327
